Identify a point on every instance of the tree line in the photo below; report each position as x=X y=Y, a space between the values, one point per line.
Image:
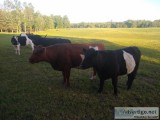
x=17 y=17
x=125 y=24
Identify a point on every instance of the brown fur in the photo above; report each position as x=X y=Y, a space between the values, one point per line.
x=62 y=57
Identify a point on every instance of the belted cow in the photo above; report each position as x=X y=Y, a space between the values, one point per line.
x=34 y=40
x=62 y=57
x=113 y=63
x=18 y=41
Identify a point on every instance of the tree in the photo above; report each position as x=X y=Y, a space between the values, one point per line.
x=2 y=20
x=66 y=22
x=58 y=22
x=49 y=24
x=156 y=23
x=16 y=6
x=28 y=16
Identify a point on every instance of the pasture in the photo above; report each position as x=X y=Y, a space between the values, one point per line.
x=35 y=92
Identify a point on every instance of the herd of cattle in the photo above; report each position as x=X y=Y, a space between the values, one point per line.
x=63 y=55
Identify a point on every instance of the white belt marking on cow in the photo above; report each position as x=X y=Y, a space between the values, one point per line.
x=130 y=62
x=82 y=57
x=96 y=47
x=29 y=42
x=23 y=34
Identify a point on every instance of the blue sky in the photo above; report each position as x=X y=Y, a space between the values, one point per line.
x=99 y=10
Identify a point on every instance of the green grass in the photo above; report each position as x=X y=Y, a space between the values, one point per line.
x=35 y=92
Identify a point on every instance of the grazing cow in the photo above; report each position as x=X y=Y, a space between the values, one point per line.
x=18 y=41
x=62 y=57
x=50 y=41
x=34 y=40
x=113 y=63
x=38 y=40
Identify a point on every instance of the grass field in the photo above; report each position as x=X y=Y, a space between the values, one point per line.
x=35 y=92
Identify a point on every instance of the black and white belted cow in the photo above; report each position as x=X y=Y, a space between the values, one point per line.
x=113 y=63
x=34 y=40
x=22 y=40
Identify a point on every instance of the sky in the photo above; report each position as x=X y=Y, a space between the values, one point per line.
x=99 y=10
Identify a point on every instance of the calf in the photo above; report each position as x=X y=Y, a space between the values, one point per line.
x=113 y=63
x=62 y=57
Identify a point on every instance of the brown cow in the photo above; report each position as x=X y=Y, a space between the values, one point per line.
x=62 y=57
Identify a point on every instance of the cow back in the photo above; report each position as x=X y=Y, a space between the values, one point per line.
x=22 y=40
x=70 y=53
x=50 y=41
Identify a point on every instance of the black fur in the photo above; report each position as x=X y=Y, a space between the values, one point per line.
x=38 y=40
x=21 y=40
x=111 y=64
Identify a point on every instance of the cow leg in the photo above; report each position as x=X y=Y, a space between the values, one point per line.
x=114 y=83
x=131 y=77
x=67 y=76
x=101 y=85
x=64 y=77
x=18 y=49
x=32 y=45
x=93 y=74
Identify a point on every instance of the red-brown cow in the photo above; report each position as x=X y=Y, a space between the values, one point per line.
x=62 y=57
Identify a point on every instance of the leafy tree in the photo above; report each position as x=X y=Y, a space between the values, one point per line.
x=66 y=22
x=28 y=16
x=156 y=23
x=58 y=22
x=48 y=22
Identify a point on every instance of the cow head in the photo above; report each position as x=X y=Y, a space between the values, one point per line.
x=88 y=58
x=38 y=55
x=14 y=40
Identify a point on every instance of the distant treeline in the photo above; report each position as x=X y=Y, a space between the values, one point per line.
x=17 y=17
x=125 y=24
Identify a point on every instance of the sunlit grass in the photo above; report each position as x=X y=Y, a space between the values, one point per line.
x=142 y=37
x=148 y=38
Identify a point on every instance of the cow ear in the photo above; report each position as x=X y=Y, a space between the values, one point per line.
x=84 y=50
